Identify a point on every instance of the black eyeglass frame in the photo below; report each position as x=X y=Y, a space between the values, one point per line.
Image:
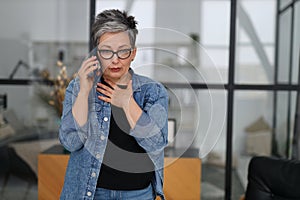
x=115 y=52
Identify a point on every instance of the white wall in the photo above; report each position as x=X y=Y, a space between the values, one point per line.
x=25 y=23
x=179 y=16
x=55 y=20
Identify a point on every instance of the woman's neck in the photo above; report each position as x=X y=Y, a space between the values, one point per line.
x=120 y=81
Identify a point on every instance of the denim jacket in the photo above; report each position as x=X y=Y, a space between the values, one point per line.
x=87 y=143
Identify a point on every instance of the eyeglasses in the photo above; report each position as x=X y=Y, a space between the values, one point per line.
x=108 y=54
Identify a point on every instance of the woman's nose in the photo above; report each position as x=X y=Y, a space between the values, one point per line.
x=115 y=59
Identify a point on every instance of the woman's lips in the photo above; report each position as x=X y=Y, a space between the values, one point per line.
x=115 y=69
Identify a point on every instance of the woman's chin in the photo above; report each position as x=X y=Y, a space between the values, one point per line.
x=113 y=77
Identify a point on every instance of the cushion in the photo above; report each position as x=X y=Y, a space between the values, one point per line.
x=273 y=178
x=12 y=119
x=6 y=129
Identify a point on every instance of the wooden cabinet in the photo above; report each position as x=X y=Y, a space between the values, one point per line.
x=51 y=172
x=182 y=177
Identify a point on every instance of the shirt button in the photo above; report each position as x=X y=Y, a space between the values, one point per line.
x=98 y=156
x=105 y=119
x=89 y=194
x=102 y=137
x=93 y=174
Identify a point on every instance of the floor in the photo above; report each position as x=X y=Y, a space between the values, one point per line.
x=212 y=186
x=17 y=180
x=18 y=189
x=213 y=181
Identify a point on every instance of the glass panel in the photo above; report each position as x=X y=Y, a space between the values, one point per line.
x=292 y=120
x=215 y=17
x=27 y=128
x=185 y=110
x=284 y=47
x=252 y=133
x=211 y=139
x=284 y=3
x=200 y=118
x=282 y=127
x=192 y=49
x=193 y=117
x=296 y=48
x=9 y=62
x=281 y=116
x=255 y=42
x=21 y=41
x=34 y=36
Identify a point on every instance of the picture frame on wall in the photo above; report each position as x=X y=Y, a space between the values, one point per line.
x=171 y=132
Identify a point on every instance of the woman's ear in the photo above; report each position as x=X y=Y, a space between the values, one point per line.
x=133 y=53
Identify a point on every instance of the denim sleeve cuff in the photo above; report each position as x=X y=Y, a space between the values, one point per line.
x=72 y=136
x=82 y=132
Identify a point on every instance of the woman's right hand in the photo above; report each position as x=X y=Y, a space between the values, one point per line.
x=87 y=67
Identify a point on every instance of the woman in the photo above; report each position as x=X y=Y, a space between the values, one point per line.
x=114 y=121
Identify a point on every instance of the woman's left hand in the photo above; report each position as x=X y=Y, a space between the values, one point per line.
x=116 y=95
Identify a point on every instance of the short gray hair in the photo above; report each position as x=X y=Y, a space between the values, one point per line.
x=114 y=20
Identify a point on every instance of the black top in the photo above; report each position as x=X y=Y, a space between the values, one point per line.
x=126 y=165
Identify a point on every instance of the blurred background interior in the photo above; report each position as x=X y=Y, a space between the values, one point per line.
x=233 y=84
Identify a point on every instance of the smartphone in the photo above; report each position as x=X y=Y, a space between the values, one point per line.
x=98 y=71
